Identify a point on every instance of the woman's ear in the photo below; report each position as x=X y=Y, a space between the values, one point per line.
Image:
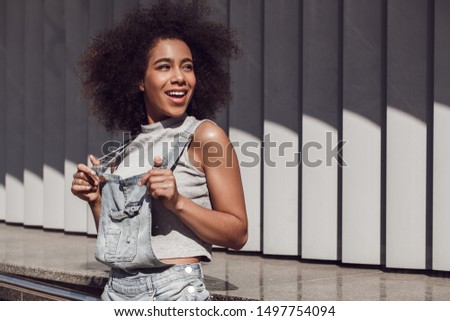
x=141 y=85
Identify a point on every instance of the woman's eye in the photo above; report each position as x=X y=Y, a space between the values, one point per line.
x=164 y=67
x=188 y=67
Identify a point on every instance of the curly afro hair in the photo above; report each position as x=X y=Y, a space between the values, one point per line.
x=115 y=62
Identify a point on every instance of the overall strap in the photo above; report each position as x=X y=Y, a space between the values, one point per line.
x=107 y=160
x=182 y=140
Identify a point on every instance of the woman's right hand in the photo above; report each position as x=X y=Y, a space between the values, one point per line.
x=86 y=184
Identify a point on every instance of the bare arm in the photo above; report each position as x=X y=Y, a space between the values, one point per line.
x=85 y=185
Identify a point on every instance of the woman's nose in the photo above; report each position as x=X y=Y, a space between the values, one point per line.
x=178 y=76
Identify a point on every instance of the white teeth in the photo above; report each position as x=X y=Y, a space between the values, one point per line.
x=176 y=93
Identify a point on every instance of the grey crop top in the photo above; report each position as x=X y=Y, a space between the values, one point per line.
x=171 y=238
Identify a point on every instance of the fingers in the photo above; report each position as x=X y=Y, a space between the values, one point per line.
x=157 y=162
x=85 y=169
x=157 y=170
x=83 y=190
x=94 y=160
x=163 y=190
x=81 y=183
x=85 y=175
x=81 y=180
x=144 y=178
x=160 y=181
x=85 y=183
x=80 y=188
x=158 y=178
x=85 y=180
x=161 y=184
x=156 y=182
x=154 y=175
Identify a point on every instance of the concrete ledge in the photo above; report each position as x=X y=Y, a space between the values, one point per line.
x=53 y=276
x=14 y=288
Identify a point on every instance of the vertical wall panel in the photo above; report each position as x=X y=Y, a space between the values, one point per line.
x=406 y=134
x=76 y=37
x=2 y=108
x=281 y=126
x=15 y=12
x=54 y=101
x=441 y=167
x=34 y=110
x=321 y=114
x=362 y=102
x=246 y=110
x=221 y=14
x=100 y=16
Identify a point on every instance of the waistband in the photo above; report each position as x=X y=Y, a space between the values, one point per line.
x=132 y=283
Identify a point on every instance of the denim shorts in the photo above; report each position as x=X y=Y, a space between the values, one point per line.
x=181 y=282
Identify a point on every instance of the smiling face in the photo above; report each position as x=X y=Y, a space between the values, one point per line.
x=169 y=80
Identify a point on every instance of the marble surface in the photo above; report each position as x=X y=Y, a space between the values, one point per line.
x=60 y=257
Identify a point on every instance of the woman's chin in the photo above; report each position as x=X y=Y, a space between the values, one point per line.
x=173 y=113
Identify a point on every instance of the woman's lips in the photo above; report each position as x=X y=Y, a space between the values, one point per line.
x=178 y=97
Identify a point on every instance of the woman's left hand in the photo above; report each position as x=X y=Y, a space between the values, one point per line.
x=161 y=184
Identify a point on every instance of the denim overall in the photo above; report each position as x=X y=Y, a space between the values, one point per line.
x=124 y=239
x=124 y=234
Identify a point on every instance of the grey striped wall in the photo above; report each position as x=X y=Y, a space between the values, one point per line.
x=370 y=76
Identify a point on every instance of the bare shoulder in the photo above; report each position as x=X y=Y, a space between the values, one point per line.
x=211 y=147
x=209 y=131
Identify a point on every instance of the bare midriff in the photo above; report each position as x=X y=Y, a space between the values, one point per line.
x=181 y=260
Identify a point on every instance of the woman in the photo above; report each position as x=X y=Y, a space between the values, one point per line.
x=159 y=74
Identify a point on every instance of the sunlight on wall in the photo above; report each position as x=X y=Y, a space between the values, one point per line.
x=251 y=180
x=441 y=187
x=15 y=199
x=280 y=197
x=2 y=202
x=319 y=194
x=53 y=198
x=361 y=190
x=406 y=189
x=34 y=199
